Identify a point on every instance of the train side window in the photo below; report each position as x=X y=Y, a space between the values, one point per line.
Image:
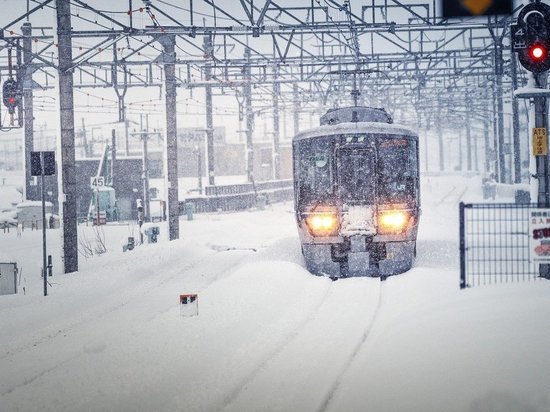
x=315 y=169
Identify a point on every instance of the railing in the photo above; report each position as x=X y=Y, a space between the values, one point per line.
x=239 y=197
x=219 y=190
x=495 y=244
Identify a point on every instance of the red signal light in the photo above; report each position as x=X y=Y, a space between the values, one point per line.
x=538 y=52
x=11 y=100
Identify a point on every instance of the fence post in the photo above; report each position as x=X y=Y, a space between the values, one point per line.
x=462 y=247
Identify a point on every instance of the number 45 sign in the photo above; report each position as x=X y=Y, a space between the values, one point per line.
x=97 y=181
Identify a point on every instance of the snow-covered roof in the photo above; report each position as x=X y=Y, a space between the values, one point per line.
x=29 y=203
x=9 y=196
x=8 y=216
x=356 y=127
x=104 y=189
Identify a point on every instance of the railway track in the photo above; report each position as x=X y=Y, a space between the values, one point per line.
x=318 y=352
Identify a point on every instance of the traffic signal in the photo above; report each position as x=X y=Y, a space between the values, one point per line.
x=10 y=95
x=531 y=37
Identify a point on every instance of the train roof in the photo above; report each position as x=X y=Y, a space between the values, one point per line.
x=356 y=127
x=355 y=114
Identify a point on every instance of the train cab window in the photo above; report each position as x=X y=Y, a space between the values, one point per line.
x=356 y=175
x=314 y=167
x=397 y=166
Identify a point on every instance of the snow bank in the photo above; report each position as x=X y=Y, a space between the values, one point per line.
x=269 y=336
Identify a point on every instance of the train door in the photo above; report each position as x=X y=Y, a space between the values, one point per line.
x=356 y=175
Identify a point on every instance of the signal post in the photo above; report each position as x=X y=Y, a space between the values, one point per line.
x=531 y=40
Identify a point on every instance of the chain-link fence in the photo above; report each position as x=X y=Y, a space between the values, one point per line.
x=495 y=244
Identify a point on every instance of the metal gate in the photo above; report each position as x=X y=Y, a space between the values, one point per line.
x=8 y=278
x=494 y=244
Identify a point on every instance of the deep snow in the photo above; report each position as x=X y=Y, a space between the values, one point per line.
x=269 y=335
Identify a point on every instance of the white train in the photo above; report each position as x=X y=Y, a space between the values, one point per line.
x=357 y=194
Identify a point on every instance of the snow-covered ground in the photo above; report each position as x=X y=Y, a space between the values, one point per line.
x=269 y=335
x=10 y=182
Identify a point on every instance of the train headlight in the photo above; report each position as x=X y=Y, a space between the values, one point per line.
x=322 y=224
x=392 y=221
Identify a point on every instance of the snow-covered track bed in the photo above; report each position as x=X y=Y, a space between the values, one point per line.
x=304 y=371
x=99 y=320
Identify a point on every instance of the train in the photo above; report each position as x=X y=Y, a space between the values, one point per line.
x=357 y=194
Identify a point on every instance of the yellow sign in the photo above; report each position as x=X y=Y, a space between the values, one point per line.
x=540 y=141
x=477 y=7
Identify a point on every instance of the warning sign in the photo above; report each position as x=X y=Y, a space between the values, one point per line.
x=189 y=304
x=540 y=141
x=539 y=235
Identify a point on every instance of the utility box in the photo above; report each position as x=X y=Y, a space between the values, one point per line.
x=151 y=231
x=128 y=244
x=189 y=210
x=261 y=202
x=8 y=278
x=522 y=197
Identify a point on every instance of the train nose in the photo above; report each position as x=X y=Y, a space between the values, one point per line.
x=358 y=220
x=358 y=256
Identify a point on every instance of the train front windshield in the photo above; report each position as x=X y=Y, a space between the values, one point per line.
x=385 y=173
x=356 y=175
x=397 y=170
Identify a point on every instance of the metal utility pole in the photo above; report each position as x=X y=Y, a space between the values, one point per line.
x=541 y=121
x=171 y=165
x=515 y=120
x=439 y=132
x=297 y=108
x=487 y=164
x=114 y=168
x=276 y=131
x=468 y=135
x=499 y=73
x=67 y=138
x=43 y=164
x=249 y=118
x=460 y=150
x=199 y=166
x=208 y=53
x=542 y=161
x=144 y=134
x=43 y=199
x=126 y=135
x=419 y=125
x=539 y=144
x=28 y=122
x=85 y=139
x=496 y=148
x=486 y=142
